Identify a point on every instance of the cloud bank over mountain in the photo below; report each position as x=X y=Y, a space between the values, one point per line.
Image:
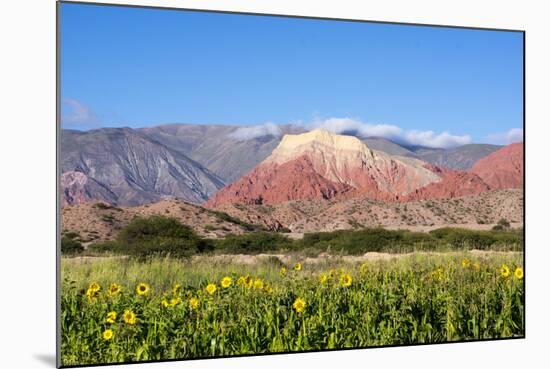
x=252 y=132
x=504 y=138
x=362 y=129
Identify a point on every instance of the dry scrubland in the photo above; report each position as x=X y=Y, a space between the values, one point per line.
x=123 y=309
x=478 y=212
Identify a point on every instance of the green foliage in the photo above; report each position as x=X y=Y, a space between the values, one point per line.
x=156 y=235
x=407 y=300
x=71 y=245
x=459 y=238
x=252 y=243
x=230 y=219
x=103 y=206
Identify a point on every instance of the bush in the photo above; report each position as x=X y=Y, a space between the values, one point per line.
x=157 y=235
x=253 y=243
x=71 y=245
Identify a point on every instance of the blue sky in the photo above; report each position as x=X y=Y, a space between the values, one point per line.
x=141 y=67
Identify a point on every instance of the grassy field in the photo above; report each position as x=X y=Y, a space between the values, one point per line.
x=123 y=309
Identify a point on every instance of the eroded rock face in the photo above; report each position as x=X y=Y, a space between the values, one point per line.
x=502 y=168
x=322 y=165
x=78 y=188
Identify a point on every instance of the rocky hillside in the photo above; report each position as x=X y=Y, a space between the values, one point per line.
x=125 y=167
x=95 y=222
x=502 y=168
x=475 y=211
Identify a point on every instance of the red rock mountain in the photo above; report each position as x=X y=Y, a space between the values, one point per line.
x=322 y=165
x=502 y=168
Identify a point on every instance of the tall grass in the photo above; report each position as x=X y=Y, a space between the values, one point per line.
x=400 y=301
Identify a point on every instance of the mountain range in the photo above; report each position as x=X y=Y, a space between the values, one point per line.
x=322 y=165
x=130 y=167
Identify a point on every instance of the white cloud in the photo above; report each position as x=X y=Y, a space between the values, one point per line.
x=357 y=128
x=408 y=137
x=252 y=132
x=505 y=138
x=431 y=139
x=76 y=113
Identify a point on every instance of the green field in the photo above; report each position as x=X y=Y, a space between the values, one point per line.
x=324 y=305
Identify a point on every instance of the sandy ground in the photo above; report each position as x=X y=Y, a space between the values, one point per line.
x=289 y=258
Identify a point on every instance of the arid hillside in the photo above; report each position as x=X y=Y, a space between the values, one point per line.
x=477 y=211
x=95 y=222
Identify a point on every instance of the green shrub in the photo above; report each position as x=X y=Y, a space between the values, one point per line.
x=252 y=243
x=158 y=235
x=69 y=245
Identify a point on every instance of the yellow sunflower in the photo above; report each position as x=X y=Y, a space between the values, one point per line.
x=165 y=303
x=94 y=286
x=299 y=305
x=504 y=271
x=518 y=273
x=92 y=294
x=175 y=301
x=129 y=317
x=323 y=278
x=226 y=282
x=465 y=263
x=111 y=317
x=142 y=289
x=283 y=271
x=211 y=288
x=346 y=280
x=258 y=284
x=193 y=303
x=176 y=289
x=108 y=334
x=297 y=267
x=114 y=289
x=248 y=282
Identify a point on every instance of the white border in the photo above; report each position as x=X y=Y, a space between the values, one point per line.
x=27 y=304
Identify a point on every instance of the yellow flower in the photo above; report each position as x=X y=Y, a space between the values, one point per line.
x=268 y=289
x=111 y=317
x=114 y=289
x=107 y=334
x=211 y=288
x=297 y=266
x=299 y=305
x=176 y=289
x=94 y=286
x=129 y=317
x=258 y=284
x=518 y=273
x=164 y=303
x=346 y=280
x=504 y=271
x=175 y=301
x=226 y=282
x=193 y=302
x=465 y=263
x=283 y=271
x=142 y=289
x=92 y=294
x=323 y=278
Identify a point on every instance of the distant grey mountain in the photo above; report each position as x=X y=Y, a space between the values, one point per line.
x=460 y=158
x=217 y=147
x=129 y=168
